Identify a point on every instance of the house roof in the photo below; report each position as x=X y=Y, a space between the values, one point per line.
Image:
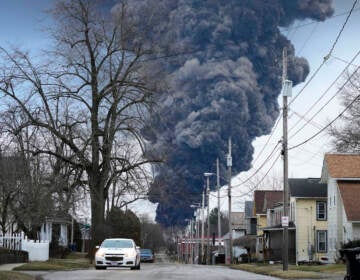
x=266 y=199
x=350 y=193
x=307 y=187
x=343 y=165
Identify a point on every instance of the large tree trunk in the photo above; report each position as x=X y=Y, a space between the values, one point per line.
x=97 y=212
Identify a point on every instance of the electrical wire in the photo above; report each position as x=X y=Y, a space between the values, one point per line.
x=259 y=168
x=334 y=95
x=268 y=140
x=328 y=125
x=341 y=30
x=326 y=57
x=313 y=123
x=308 y=82
x=307 y=39
x=261 y=180
x=325 y=92
x=343 y=60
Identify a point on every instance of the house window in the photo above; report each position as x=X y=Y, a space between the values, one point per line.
x=321 y=241
x=321 y=210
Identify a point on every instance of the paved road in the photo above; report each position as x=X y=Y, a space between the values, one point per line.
x=157 y=271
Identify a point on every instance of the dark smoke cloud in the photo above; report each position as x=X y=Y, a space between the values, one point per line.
x=226 y=86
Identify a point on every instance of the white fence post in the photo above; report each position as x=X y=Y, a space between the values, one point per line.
x=38 y=251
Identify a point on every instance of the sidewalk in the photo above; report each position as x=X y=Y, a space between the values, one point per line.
x=9 y=266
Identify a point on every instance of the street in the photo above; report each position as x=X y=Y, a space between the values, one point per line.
x=157 y=271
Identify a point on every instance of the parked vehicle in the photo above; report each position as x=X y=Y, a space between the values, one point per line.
x=146 y=255
x=117 y=252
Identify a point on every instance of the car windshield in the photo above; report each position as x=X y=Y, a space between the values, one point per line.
x=117 y=243
x=145 y=251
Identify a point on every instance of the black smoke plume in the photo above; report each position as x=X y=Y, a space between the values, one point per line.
x=224 y=78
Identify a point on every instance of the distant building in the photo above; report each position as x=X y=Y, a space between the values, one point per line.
x=56 y=229
x=238 y=230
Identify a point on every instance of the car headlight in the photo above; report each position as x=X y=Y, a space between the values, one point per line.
x=130 y=254
x=100 y=254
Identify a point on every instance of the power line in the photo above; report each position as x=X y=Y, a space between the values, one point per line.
x=307 y=39
x=343 y=60
x=328 y=55
x=329 y=124
x=308 y=82
x=303 y=117
x=268 y=140
x=261 y=180
x=260 y=167
x=341 y=30
x=325 y=92
x=336 y=93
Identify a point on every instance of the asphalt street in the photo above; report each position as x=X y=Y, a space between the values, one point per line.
x=157 y=271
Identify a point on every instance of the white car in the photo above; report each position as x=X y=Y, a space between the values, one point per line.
x=117 y=252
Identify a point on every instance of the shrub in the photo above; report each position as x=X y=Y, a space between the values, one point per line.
x=12 y=256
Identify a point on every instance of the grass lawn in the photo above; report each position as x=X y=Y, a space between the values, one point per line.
x=294 y=272
x=12 y=275
x=72 y=262
x=329 y=268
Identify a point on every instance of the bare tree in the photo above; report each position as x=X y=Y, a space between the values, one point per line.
x=43 y=186
x=94 y=88
x=346 y=135
x=152 y=236
x=10 y=174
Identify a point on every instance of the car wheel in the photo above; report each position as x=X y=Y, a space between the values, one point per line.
x=136 y=267
x=100 y=267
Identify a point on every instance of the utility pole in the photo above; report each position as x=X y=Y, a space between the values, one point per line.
x=202 y=227
x=191 y=242
x=218 y=189
x=207 y=175
x=197 y=235
x=229 y=164
x=286 y=91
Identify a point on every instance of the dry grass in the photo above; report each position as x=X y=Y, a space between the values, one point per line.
x=328 y=268
x=294 y=272
x=11 y=275
x=56 y=264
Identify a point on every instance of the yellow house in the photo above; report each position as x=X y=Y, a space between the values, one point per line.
x=263 y=200
x=308 y=212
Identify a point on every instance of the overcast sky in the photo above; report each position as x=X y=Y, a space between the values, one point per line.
x=22 y=23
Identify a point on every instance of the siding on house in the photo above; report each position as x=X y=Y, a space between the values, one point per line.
x=306 y=229
x=261 y=223
x=334 y=219
x=340 y=229
x=356 y=230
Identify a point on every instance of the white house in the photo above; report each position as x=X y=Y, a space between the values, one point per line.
x=341 y=172
x=55 y=227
